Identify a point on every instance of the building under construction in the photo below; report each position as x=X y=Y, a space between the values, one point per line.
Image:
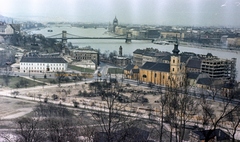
x=218 y=68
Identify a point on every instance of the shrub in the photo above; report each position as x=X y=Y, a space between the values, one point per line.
x=55 y=97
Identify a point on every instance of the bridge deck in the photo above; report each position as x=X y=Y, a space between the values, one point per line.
x=100 y=38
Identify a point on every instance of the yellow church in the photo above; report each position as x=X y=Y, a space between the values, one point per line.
x=171 y=74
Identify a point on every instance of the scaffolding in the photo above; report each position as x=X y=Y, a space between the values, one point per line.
x=219 y=68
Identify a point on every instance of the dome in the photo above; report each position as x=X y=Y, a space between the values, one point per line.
x=115 y=20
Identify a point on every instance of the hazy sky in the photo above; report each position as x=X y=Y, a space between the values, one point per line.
x=161 y=12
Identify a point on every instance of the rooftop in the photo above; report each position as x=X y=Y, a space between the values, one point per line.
x=164 y=67
x=129 y=67
x=194 y=63
x=43 y=60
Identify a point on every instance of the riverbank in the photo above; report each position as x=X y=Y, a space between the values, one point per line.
x=185 y=44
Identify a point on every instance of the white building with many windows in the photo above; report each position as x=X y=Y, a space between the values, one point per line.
x=43 y=64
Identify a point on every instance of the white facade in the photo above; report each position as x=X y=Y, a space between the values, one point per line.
x=6 y=30
x=9 y=30
x=87 y=64
x=42 y=67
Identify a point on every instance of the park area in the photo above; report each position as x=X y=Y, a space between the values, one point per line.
x=17 y=82
x=12 y=108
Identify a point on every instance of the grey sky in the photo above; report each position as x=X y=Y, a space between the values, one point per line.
x=162 y=12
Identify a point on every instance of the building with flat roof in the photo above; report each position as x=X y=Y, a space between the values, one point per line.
x=218 y=68
x=85 y=54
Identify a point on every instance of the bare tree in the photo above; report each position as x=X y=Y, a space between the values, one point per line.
x=60 y=76
x=48 y=123
x=212 y=118
x=7 y=137
x=158 y=125
x=179 y=108
x=234 y=120
x=114 y=117
x=28 y=130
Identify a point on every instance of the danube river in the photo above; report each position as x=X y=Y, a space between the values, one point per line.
x=128 y=48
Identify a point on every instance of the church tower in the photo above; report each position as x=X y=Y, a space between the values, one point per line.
x=177 y=69
x=115 y=23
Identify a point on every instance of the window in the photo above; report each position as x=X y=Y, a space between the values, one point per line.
x=155 y=75
x=173 y=61
x=172 y=69
x=144 y=76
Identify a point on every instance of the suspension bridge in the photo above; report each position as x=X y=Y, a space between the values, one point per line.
x=64 y=36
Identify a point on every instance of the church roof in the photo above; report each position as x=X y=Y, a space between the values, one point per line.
x=148 y=65
x=162 y=67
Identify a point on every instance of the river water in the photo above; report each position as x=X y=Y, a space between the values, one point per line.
x=128 y=48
